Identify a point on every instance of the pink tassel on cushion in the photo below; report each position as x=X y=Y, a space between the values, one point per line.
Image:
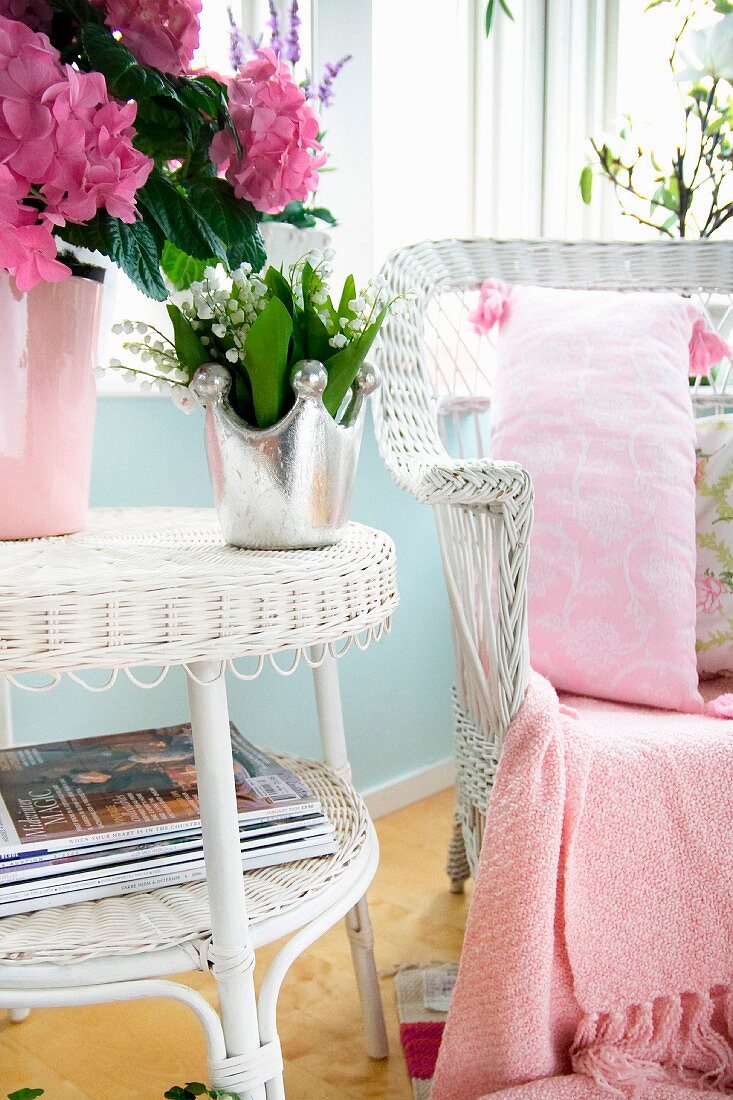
x=706 y=348
x=492 y=306
x=720 y=707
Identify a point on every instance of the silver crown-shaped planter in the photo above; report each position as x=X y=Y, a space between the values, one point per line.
x=289 y=486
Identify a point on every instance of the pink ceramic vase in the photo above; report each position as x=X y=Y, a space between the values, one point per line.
x=47 y=405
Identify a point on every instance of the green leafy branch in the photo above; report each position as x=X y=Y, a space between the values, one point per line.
x=690 y=193
x=489 y=14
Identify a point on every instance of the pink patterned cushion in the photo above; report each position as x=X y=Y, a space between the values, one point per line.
x=592 y=398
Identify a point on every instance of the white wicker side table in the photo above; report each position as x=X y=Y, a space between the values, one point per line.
x=157 y=587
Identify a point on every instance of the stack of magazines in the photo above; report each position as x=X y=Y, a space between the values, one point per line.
x=103 y=816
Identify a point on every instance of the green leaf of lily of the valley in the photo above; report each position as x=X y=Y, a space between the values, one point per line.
x=347 y=295
x=316 y=337
x=343 y=367
x=279 y=286
x=190 y=351
x=266 y=361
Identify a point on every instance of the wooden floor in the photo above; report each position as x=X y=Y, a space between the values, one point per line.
x=136 y=1051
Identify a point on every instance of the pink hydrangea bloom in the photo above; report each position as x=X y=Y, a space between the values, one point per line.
x=95 y=164
x=61 y=140
x=26 y=248
x=36 y=14
x=491 y=308
x=278 y=131
x=161 y=33
x=709 y=590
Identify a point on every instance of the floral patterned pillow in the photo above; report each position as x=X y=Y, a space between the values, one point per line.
x=714 y=521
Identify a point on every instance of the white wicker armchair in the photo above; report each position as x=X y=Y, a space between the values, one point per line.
x=432 y=432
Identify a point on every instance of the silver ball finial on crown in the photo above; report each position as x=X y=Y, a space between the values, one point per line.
x=309 y=378
x=368 y=379
x=211 y=383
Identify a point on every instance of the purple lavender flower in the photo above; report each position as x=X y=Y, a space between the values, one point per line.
x=292 y=42
x=237 y=56
x=254 y=43
x=331 y=71
x=307 y=85
x=274 y=24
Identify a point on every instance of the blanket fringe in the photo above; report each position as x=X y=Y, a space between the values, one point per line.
x=672 y=1039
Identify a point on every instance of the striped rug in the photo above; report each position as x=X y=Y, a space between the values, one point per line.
x=423 y=995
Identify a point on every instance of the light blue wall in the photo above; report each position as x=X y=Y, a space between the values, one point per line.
x=395 y=695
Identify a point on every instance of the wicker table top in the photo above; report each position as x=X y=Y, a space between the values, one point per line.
x=158 y=586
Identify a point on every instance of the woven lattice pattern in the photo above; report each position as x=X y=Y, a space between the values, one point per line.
x=159 y=586
x=432 y=431
x=180 y=914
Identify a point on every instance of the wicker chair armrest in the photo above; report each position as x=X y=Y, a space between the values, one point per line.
x=479 y=481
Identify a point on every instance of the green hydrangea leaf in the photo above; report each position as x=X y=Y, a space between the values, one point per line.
x=180 y=219
x=126 y=78
x=234 y=221
x=181 y=269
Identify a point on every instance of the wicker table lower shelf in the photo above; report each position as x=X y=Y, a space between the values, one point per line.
x=136 y=928
x=142 y=590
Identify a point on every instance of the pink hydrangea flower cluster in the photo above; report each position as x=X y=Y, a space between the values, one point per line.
x=65 y=152
x=278 y=131
x=36 y=14
x=161 y=33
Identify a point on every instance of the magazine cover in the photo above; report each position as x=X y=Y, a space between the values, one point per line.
x=73 y=793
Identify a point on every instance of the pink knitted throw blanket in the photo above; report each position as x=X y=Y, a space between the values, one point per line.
x=600 y=936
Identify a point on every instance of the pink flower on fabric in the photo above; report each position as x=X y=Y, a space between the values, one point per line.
x=492 y=306
x=706 y=348
x=709 y=591
x=36 y=14
x=161 y=33
x=720 y=707
x=278 y=132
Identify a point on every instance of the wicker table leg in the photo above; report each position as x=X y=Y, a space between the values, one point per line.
x=232 y=954
x=358 y=924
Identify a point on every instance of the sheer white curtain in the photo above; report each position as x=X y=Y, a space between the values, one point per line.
x=544 y=83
